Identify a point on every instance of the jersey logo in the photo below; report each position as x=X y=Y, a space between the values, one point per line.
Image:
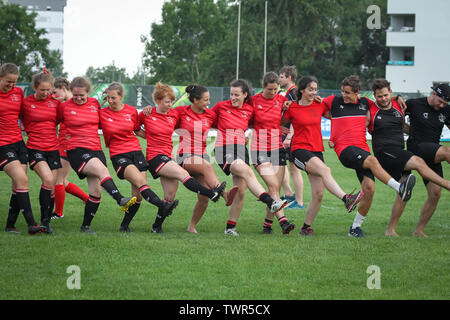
x=379 y=117
x=244 y=114
x=33 y=106
x=93 y=108
x=425 y=115
x=188 y=119
x=110 y=120
x=51 y=104
x=73 y=112
x=228 y=111
x=127 y=117
x=260 y=107
x=170 y=119
x=397 y=114
x=441 y=118
x=341 y=106
x=154 y=119
x=15 y=97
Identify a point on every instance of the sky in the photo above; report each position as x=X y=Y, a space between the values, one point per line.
x=100 y=32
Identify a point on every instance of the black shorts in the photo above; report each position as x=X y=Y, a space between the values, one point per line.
x=79 y=157
x=394 y=160
x=123 y=160
x=183 y=156
x=157 y=163
x=302 y=156
x=427 y=151
x=275 y=157
x=13 y=151
x=51 y=157
x=227 y=154
x=353 y=158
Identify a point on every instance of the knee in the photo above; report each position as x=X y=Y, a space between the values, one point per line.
x=317 y=195
x=48 y=181
x=20 y=180
x=434 y=195
x=368 y=188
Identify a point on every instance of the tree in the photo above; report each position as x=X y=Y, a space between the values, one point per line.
x=21 y=43
x=107 y=74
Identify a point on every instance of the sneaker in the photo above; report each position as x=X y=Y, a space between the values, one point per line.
x=406 y=187
x=49 y=230
x=287 y=227
x=56 y=216
x=294 y=205
x=278 y=205
x=289 y=198
x=12 y=230
x=267 y=230
x=168 y=208
x=125 y=229
x=306 y=232
x=125 y=203
x=156 y=229
x=352 y=200
x=231 y=232
x=87 y=229
x=32 y=230
x=231 y=194
x=218 y=191
x=356 y=232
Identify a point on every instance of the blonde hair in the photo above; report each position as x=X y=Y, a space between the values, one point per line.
x=161 y=91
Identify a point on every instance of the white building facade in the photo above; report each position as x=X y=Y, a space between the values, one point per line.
x=418 y=40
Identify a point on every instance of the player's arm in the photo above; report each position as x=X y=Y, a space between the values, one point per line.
x=405 y=127
x=401 y=102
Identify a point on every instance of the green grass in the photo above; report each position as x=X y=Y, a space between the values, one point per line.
x=210 y=265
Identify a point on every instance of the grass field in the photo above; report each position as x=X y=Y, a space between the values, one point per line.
x=178 y=265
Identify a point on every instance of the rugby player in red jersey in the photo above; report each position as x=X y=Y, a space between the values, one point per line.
x=194 y=122
x=81 y=116
x=61 y=92
x=13 y=153
x=39 y=117
x=268 y=153
x=233 y=117
x=307 y=150
x=387 y=123
x=159 y=125
x=118 y=122
x=349 y=119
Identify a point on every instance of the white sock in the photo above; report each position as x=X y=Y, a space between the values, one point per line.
x=394 y=184
x=359 y=219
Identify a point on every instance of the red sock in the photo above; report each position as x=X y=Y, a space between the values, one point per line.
x=75 y=190
x=60 y=197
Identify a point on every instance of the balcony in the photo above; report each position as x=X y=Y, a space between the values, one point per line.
x=402 y=23
x=401 y=56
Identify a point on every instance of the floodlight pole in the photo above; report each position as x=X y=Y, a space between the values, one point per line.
x=265 y=40
x=238 y=39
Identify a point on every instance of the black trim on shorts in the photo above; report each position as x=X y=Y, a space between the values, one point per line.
x=121 y=161
x=157 y=163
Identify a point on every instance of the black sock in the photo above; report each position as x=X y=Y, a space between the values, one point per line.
x=268 y=223
x=13 y=212
x=90 y=209
x=129 y=215
x=306 y=226
x=344 y=198
x=24 y=204
x=45 y=202
x=231 y=224
x=150 y=196
x=196 y=187
x=266 y=198
x=159 y=218
x=110 y=187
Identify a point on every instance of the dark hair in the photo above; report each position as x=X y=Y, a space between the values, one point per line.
x=244 y=85
x=379 y=84
x=195 y=91
x=289 y=71
x=41 y=77
x=270 y=77
x=61 y=83
x=303 y=83
x=8 y=68
x=353 y=82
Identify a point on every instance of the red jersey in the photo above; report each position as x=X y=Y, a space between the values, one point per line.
x=62 y=134
x=193 y=129
x=10 y=104
x=348 y=123
x=82 y=124
x=158 y=132
x=118 y=127
x=306 y=121
x=232 y=122
x=266 y=122
x=40 y=120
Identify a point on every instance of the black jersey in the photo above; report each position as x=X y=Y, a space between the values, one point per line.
x=386 y=127
x=426 y=123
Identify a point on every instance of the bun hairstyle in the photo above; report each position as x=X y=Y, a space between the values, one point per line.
x=303 y=83
x=161 y=91
x=44 y=76
x=245 y=86
x=195 y=91
x=80 y=82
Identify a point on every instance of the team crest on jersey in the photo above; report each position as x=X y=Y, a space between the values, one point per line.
x=244 y=114
x=425 y=115
x=441 y=118
x=50 y=104
x=73 y=112
x=362 y=107
x=15 y=97
x=170 y=119
x=93 y=108
x=109 y=119
x=33 y=106
x=260 y=107
x=154 y=119
x=188 y=118
x=127 y=117
x=205 y=122
x=277 y=104
x=228 y=111
x=397 y=114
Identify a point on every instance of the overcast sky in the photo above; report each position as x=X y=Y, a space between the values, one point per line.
x=98 y=32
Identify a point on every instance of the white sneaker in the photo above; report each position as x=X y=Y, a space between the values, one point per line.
x=232 y=232
x=277 y=205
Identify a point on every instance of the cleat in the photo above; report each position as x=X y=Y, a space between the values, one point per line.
x=12 y=230
x=231 y=194
x=306 y=232
x=267 y=230
x=352 y=200
x=356 y=232
x=218 y=191
x=406 y=187
x=168 y=208
x=156 y=229
x=231 y=232
x=125 y=229
x=294 y=205
x=287 y=227
x=125 y=203
x=32 y=230
x=56 y=216
x=278 y=205
x=87 y=229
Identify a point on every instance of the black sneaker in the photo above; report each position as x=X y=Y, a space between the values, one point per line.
x=168 y=208
x=356 y=232
x=87 y=229
x=287 y=227
x=218 y=191
x=56 y=216
x=125 y=203
x=406 y=187
x=125 y=229
x=267 y=230
x=306 y=232
x=157 y=229
x=352 y=200
x=49 y=230
x=12 y=230
x=32 y=230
